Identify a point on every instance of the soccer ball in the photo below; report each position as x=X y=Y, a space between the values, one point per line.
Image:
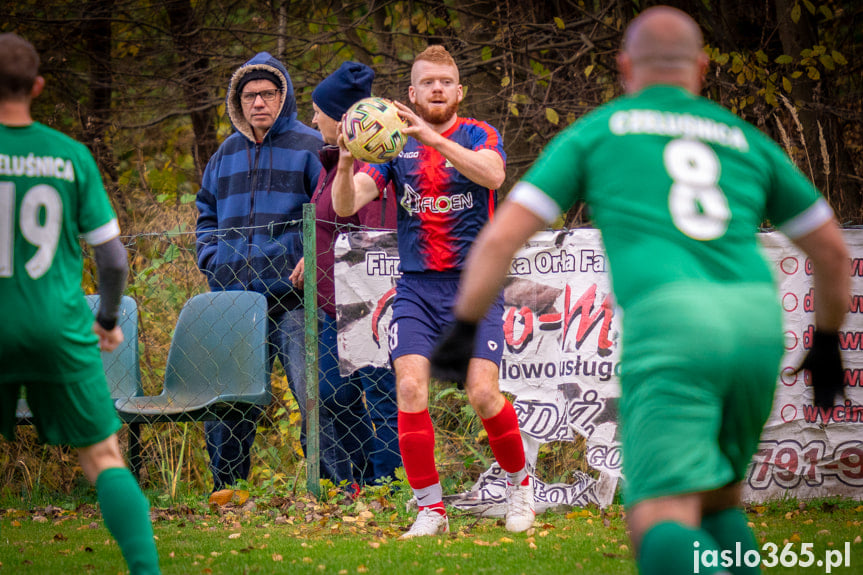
x=372 y=130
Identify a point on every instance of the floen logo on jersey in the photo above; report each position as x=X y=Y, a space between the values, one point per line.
x=415 y=203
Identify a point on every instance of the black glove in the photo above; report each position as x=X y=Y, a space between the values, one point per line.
x=824 y=364
x=452 y=354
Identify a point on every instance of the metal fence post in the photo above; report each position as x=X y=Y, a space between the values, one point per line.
x=310 y=303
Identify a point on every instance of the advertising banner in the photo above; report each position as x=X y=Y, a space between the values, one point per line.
x=562 y=360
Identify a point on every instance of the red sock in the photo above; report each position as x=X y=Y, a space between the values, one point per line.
x=416 y=443
x=504 y=438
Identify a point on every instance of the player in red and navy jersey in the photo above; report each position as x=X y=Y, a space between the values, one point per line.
x=441 y=210
x=446 y=180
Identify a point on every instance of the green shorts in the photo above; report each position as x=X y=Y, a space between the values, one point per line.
x=77 y=414
x=698 y=375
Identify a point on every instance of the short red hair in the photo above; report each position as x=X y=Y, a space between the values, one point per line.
x=436 y=54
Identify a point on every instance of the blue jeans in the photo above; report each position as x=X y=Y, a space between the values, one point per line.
x=366 y=429
x=229 y=441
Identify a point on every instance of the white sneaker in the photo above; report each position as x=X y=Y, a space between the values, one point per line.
x=519 y=507
x=428 y=522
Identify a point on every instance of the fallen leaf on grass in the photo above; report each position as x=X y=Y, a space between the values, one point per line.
x=580 y=513
x=277 y=557
x=234 y=536
x=225 y=496
x=221 y=497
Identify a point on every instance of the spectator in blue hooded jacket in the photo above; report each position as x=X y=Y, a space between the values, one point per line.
x=249 y=236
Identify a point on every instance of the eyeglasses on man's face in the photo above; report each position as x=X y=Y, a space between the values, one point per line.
x=266 y=96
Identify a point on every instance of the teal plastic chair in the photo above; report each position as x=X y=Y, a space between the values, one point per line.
x=121 y=365
x=217 y=362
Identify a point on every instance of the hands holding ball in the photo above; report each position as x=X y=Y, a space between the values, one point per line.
x=375 y=129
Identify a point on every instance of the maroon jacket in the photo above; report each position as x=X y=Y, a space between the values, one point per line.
x=380 y=213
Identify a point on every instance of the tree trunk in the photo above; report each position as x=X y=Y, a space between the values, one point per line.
x=96 y=31
x=795 y=38
x=195 y=71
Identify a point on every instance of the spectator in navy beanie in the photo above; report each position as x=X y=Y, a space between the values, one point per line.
x=367 y=453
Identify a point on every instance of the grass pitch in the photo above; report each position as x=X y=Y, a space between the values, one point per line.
x=297 y=534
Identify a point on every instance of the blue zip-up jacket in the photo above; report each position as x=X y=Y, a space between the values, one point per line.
x=249 y=233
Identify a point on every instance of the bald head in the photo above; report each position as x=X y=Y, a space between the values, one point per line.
x=663 y=46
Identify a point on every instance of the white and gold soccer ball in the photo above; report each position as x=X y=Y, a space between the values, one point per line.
x=372 y=130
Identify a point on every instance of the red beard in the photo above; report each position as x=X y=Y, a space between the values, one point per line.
x=437 y=115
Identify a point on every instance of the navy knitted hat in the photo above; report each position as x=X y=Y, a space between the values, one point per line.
x=258 y=74
x=343 y=88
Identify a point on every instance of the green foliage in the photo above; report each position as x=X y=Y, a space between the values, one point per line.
x=761 y=81
x=530 y=69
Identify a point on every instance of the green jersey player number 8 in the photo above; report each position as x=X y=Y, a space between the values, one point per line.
x=43 y=231
x=697 y=205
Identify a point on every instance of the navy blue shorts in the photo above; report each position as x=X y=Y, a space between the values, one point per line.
x=423 y=308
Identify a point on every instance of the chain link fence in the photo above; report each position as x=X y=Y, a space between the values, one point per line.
x=351 y=439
